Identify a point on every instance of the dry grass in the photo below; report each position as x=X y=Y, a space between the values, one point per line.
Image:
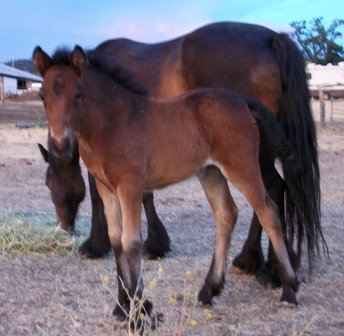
x=21 y=233
x=57 y=293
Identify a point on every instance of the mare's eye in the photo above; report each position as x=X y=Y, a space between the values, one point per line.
x=78 y=97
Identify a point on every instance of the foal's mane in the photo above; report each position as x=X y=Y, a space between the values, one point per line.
x=121 y=76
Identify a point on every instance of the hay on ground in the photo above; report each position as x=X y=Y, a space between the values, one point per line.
x=22 y=233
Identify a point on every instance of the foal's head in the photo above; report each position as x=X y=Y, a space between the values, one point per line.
x=62 y=94
x=66 y=185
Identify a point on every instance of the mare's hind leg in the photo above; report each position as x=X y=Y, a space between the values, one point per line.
x=98 y=243
x=251 y=257
x=225 y=212
x=158 y=241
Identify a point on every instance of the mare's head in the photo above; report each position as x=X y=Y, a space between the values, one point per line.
x=66 y=185
x=62 y=94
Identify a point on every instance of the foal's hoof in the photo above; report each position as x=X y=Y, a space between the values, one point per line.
x=89 y=251
x=205 y=295
x=249 y=261
x=142 y=318
x=207 y=292
x=121 y=312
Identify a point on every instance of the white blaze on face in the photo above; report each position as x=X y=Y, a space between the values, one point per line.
x=58 y=136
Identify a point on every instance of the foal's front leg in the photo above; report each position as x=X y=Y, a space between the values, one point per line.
x=130 y=196
x=114 y=219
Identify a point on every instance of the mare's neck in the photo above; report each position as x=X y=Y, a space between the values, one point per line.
x=106 y=103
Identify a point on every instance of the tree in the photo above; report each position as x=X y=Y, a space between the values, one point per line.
x=318 y=43
x=22 y=64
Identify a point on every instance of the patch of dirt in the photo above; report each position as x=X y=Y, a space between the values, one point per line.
x=65 y=295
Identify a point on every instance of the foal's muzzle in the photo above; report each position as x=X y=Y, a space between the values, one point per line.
x=64 y=148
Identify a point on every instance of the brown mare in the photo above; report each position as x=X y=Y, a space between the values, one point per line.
x=252 y=61
x=131 y=143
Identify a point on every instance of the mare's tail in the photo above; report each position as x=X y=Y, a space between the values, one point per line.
x=299 y=220
x=296 y=119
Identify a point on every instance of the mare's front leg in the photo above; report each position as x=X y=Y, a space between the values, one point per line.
x=98 y=243
x=157 y=243
x=225 y=211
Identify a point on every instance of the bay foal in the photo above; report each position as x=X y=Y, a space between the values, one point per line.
x=131 y=143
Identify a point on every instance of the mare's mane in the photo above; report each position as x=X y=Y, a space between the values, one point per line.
x=115 y=72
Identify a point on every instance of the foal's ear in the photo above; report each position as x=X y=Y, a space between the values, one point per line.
x=41 y=60
x=44 y=152
x=78 y=58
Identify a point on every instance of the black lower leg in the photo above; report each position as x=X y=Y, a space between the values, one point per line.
x=98 y=242
x=157 y=243
x=211 y=287
x=122 y=307
x=251 y=256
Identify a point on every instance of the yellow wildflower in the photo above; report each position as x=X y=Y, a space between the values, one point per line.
x=189 y=275
x=172 y=299
x=105 y=278
x=160 y=270
x=193 y=322
x=208 y=315
x=153 y=282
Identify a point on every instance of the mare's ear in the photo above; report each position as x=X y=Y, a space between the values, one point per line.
x=41 y=60
x=78 y=58
x=44 y=152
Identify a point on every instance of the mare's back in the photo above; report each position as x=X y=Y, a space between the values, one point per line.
x=235 y=56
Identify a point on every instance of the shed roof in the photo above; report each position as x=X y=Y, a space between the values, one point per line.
x=8 y=71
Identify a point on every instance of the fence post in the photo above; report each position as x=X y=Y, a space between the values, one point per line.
x=322 y=107
x=1 y=89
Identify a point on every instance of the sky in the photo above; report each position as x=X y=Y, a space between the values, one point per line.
x=51 y=23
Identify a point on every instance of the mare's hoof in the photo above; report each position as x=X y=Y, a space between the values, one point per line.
x=88 y=250
x=121 y=313
x=289 y=295
x=154 y=248
x=268 y=278
x=249 y=261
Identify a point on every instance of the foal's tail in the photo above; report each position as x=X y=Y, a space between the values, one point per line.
x=297 y=218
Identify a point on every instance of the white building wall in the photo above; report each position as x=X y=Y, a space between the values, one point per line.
x=10 y=85
x=326 y=74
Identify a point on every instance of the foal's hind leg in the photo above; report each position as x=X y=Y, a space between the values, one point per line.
x=158 y=241
x=268 y=274
x=251 y=258
x=248 y=179
x=225 y=212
